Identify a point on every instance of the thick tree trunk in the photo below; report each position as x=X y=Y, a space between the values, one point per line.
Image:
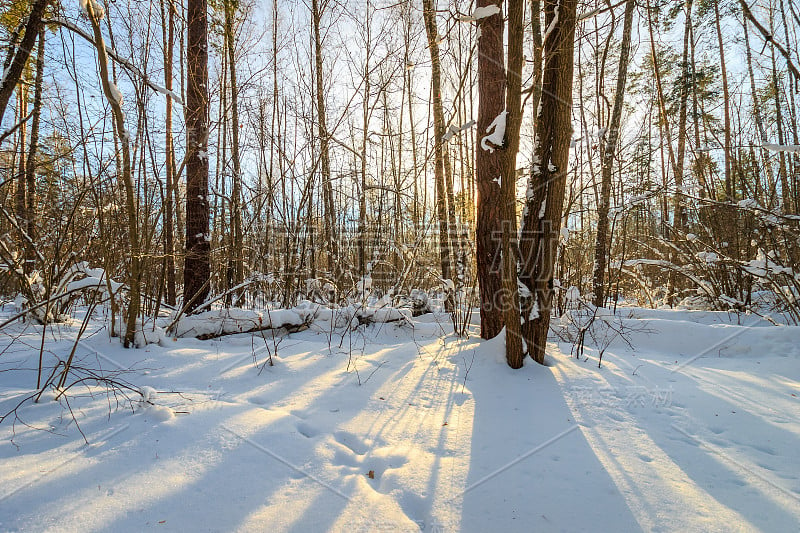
x=545 y=199
x=489 y=169
x=197 y=263
x=602 y=241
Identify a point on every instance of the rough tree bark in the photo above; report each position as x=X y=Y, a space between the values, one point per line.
x=489 y=169
x=197 y=264
x=169 y=156
x=545 y=198
x=508 y=186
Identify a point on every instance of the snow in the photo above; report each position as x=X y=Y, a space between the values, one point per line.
x=481 y=13
x=454 y=130
x=97 y=8
x=228 y=321
x=496 y=131
x=115 y=93
x=782 y=147
x=397 y=427
x=552 y=25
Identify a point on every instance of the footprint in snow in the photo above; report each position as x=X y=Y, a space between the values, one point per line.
x=307 y=430
x=353 y=442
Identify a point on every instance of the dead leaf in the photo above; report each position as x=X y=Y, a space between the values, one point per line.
x=371 y=474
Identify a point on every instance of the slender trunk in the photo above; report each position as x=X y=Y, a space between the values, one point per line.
x=324 y=155
x=429 y=15
x=114 y=99
x=169 y=205
x=729 y=192
x=415 y=209
x=30 y=165
x=762 y=134
x=679 y=216
x=20 y=208
x=362 y=189
x=536 y=30
x=609 y=146
x=236 y=261
x=508 y=186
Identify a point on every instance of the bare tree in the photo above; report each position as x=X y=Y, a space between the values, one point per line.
x=607 y=154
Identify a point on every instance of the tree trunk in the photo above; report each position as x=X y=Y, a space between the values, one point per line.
x=489 y=170
x=508 y=186
x=20 y=200
x=236 y=260
x=602 y=241
x=169 y=156
x=325 y=165
x=729 y=192
x=545 y=199
x=429 y=15
x=15 y=68
x=197 y=263
x=679 y=215
x=114 y=99
x=30 y=165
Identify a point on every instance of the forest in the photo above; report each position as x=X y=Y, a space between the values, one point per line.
x=547 y=180
x=259 y=155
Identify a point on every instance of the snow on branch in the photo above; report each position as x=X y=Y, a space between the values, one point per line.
x=481 y=13
x=455 y=130
x=64 y=23
x=97 y=9
x=795 y=148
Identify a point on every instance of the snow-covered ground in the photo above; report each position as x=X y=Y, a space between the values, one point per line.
x=402 y=428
